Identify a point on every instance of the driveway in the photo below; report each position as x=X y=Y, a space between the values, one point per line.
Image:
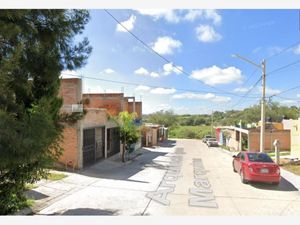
x=183 y=177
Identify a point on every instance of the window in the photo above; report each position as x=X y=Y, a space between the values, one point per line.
x=259 y=157
x=243 y=157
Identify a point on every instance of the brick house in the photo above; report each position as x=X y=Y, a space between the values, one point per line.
x=153 y=134
x=95 y=136
x=230 y=136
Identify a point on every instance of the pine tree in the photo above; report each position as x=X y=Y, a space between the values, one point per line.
x=35 y=46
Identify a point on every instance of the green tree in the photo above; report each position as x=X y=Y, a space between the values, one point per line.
x=35 y=46
x=129 y=132
x=166 y=118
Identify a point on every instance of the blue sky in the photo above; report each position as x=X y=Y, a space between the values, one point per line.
x=200 y=43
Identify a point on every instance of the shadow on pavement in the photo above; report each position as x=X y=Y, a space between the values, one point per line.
x=167 y=144
x=89 y=211
x=284 y=185
x=123 y=171
x=35 y=195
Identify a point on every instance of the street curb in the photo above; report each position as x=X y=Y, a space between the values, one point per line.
x=24 y=212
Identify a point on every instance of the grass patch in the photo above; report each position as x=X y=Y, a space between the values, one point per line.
x=292 y=167
x=56 y=176
x=224 y=147
x=30 y=186
x=283 y=153
x=189 y=132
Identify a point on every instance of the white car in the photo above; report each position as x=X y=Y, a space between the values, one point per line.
x=212 y=142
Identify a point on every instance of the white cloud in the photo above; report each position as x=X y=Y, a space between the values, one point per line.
x=142 y=88
x=221 y=99
x=288 y=102
x=193 y=14
x=206 y=33
x=166 y=45
x=163 y=107
x=208 y=96
x=215 y=75
x=298 y=95
x=176 y=16
x=213 y=15
x=269 y=91
x=168 y=14
x=129 y=24
x=242 y=89
x=170 y=68
x=69 y=74
x=145 y=72
x=108 y=71
x=163 y=91
x=297 y=49
x=142 y=71
x=154 y=74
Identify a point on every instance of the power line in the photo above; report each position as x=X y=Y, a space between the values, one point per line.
x=287 y=90
x=247 y=93
x=151 y=86
x=283 y=50
x=158 y=54
x=283 y=67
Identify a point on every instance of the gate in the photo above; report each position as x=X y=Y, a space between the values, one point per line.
x=89 y=147
x=113 y=141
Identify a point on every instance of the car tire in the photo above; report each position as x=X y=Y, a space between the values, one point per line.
x=275 y=183
x=244 y=181
x=234 y=170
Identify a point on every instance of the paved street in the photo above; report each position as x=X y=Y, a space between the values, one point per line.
x=162 y=181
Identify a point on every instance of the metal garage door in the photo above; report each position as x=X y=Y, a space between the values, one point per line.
x=88 y=154
x=113 y=141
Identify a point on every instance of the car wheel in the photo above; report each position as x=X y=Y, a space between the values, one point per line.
x=234 y=170
x=244 y=181
x=275 y=183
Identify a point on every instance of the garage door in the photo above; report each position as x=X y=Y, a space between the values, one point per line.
x=113 y=141
x=88 y=147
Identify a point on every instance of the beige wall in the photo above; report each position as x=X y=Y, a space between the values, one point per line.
x=295 y=138
x=282 y=135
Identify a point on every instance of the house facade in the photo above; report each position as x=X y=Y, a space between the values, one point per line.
x=95 y=136
x=295 y=138
x=230 y=136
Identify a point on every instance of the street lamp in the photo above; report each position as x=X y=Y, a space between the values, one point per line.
x=263 y=98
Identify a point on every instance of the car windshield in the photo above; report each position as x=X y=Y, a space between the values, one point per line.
x=212 y=139
x=207 y=136
x=259 y=157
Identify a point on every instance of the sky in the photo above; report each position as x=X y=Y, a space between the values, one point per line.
x=188 y=66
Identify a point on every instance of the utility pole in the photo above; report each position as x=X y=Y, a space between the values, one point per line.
x=212 y=121
x=240 y=137
x=263 y=98
x=263 y=108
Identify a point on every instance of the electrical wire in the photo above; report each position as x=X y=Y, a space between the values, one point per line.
x=158 y=54
x=151 y=86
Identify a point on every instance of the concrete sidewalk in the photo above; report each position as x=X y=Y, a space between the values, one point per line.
x=163 y=181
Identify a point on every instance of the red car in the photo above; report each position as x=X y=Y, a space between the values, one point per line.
x=256 y=166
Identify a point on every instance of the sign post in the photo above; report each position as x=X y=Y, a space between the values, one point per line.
x=276 y=143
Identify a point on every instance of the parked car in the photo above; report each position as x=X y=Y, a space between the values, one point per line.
x=205 y=138
x=256 y=166
x=212 y=142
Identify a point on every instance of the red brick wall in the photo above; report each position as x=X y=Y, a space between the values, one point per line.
x=94 y=117
x=138 y=108
x=282 y=135
x=70 y=90
x=112 y=102
x=70 y=145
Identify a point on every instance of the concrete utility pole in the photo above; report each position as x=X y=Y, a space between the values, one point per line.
x=263 y=99
x=240 y=144
x=263 y=108
x=212 y=121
